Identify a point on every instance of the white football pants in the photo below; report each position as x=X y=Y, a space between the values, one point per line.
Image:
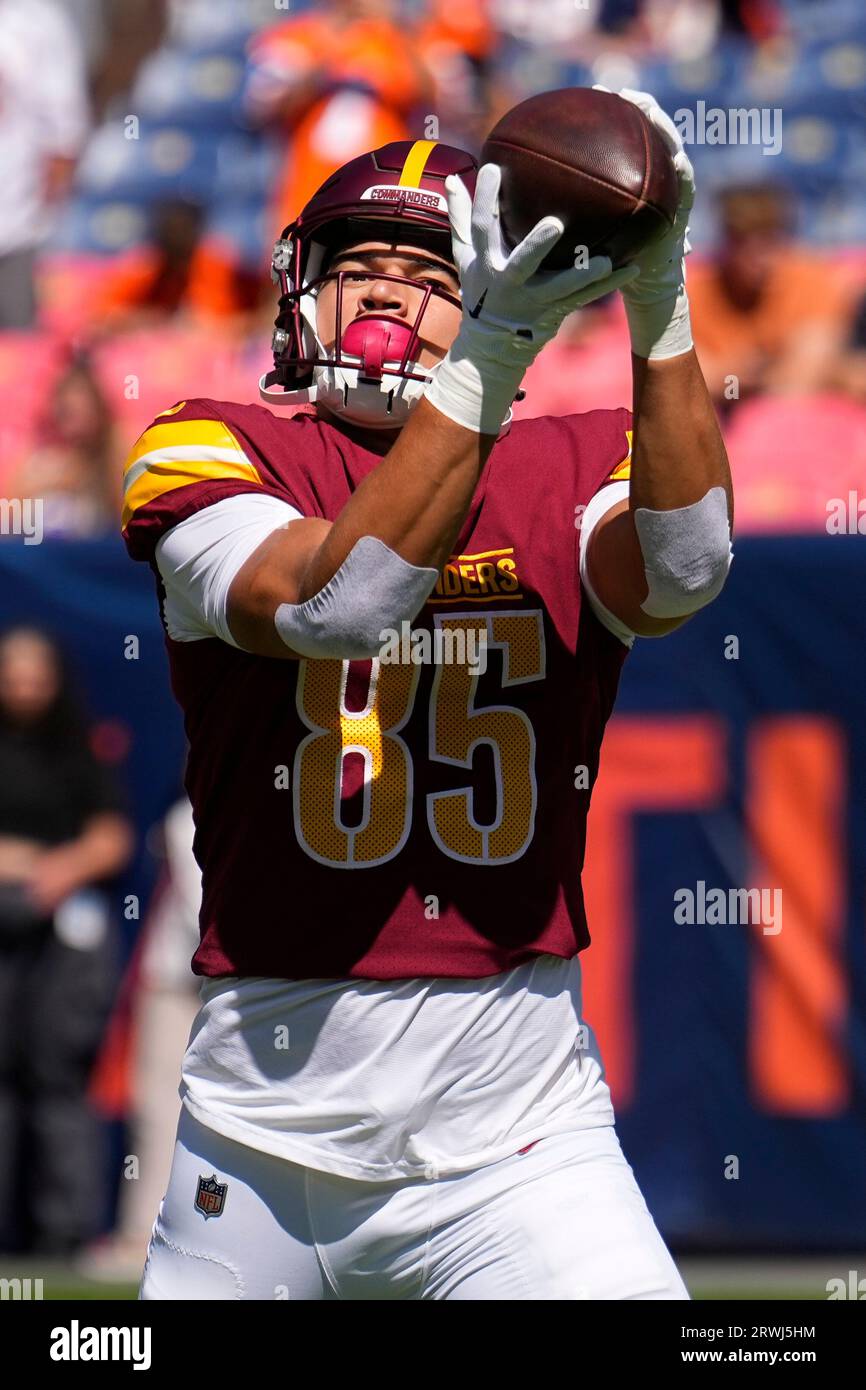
x=564 y=1220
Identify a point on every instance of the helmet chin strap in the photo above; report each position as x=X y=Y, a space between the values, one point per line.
x=369 y=344
x=346 y=392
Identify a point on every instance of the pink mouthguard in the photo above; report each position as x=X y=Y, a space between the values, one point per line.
x=376 y=341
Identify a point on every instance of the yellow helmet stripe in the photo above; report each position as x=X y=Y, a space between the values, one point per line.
x=416 y=161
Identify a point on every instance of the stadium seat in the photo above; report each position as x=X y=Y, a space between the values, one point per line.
x=29 y=365
x=814 y=159
x=171 y=364
x=711 y=78
x=247 y=228
x=715 y=77
x=816 y=20
x=241 y=369
x=225 y=26
x=791 y=455
x=839 y=219
x=100 y=226
x=816 y=151
x=197 y=25
x=198 y=91
x=166 y=163
x=811 y=95
x=168 y=365
x=590 y=374
x=526 y=69
x=247 y=168
x=173 y=162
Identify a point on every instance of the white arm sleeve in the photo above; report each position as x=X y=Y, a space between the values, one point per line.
x=596 y=508
x=199 y=558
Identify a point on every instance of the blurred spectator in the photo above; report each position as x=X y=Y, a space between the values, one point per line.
x=71 y=465
x=43 y=118
x=457 y=44
x=554 y=22
x=767 y=315
x=127 y=31
x=159 y=1009
x=335 y=84
x=689 y=29
x=757 y=19
x=176 y=271
x=62 y=835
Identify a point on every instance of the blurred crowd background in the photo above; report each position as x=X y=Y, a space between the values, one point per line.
x=150 y=152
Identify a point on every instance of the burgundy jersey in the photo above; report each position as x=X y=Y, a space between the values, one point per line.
x=387 y=820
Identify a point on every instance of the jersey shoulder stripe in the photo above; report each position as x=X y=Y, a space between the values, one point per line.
x=177 y=453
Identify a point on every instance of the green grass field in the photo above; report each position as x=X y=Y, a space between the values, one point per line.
x=708 y=1278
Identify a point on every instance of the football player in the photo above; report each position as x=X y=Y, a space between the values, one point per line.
x=389 y=1090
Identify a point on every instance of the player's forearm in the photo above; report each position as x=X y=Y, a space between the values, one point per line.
x=415 y=501
x=665 y=555
x=678 y=450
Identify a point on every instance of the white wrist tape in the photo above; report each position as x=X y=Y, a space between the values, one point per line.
x=373 y=590
x=661 y=329
x=480 y=375
x=687 y=554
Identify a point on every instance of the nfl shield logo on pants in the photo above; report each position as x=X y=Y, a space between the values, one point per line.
x=211 y=1196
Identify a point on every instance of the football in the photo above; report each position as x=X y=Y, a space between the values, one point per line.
x=590 y=158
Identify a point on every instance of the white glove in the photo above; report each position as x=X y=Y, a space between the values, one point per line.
x=656 y=303
x=510 y=308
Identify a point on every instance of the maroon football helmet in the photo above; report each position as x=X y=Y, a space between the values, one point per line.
x=395 y=193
